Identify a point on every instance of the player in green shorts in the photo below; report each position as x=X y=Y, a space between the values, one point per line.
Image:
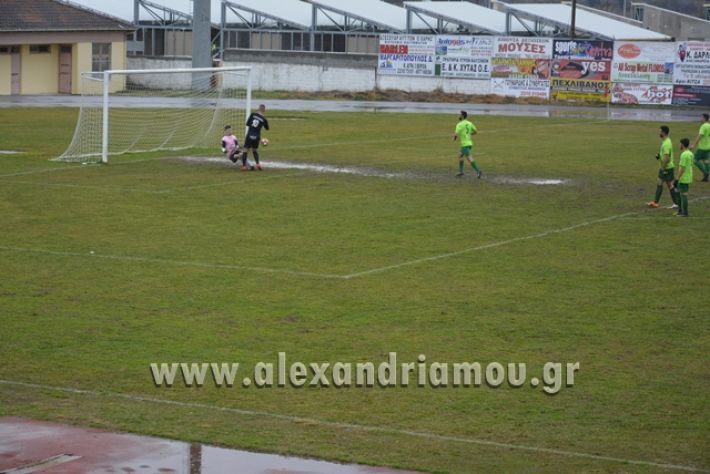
x=464 y=131
x=701 y=145
x=665 y=173
x=685 y=175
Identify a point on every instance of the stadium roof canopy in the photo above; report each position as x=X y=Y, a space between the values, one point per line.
x=363 y=15
x=369 y=14
x=588 y=22
x=467 y=16
x=291 y=13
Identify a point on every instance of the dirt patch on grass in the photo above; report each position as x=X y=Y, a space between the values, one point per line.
x=392 y=95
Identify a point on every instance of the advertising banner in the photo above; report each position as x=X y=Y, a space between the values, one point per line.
x=692 y=63
x=409 y=55
x=691 y=95
x=581 y=70
x=522 y=47
x=520 y=67
x=580 y=89
x=588 y=50
x=521 y=87
x=512 y=67
x=657 y=94
x=464 y=56
x=643 y=62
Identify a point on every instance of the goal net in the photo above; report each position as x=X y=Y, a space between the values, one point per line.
x=136 y=111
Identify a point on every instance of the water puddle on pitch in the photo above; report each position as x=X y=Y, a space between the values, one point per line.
x=378 y=173
x=533 y=181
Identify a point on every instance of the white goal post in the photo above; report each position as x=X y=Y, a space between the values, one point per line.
x=146 y=110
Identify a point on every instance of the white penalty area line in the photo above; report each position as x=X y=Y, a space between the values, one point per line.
x=153 y=191
x=235 y=181
x=501 y=243
x=217 y=266
x=164 y=261
x=77 y=166
x=99 y=188
x=356 y=427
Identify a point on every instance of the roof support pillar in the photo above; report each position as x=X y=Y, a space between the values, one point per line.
x=222 y=29
x=314 y=25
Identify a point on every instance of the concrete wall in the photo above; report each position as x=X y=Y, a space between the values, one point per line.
x=677 y=25
x=311 y=72
x=428 y=84
x=177 y=81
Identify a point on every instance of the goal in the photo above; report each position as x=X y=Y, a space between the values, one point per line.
x=134 y=111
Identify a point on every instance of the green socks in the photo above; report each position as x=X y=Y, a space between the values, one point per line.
x=659 y=191
x=474 y=165
x=684 y=204
x=460 y=166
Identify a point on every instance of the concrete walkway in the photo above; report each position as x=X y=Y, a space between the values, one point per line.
x=28 y=446
x=666 y=114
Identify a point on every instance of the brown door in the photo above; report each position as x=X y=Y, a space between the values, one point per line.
x=15 y=70
x=65 y=69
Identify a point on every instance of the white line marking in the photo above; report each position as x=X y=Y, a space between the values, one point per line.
x=129 y=258
x=358 y=427
x=229 y=183
x=483 y=247
x=153 y=191
x=80 y=167
x=100 y=188
x=498 y=244
x=42 y=464
x=691 y=218
x=186 y=263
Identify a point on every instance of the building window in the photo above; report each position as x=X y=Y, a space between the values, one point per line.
x=39 y=48
x=100 y=57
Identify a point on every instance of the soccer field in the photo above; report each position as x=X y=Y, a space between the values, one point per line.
x=182 y=258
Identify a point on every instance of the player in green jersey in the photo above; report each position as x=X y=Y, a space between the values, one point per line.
x=464 y=131
x=701 y=145
x=665 y=173
x=685 y=175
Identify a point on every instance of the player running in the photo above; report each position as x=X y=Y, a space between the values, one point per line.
x=255 y=122
x=464 y=131
x=685 y=175
x=230 y=145
x=701 y=145
x=665 y=173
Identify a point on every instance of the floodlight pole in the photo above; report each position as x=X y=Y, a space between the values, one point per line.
x=573 y=23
